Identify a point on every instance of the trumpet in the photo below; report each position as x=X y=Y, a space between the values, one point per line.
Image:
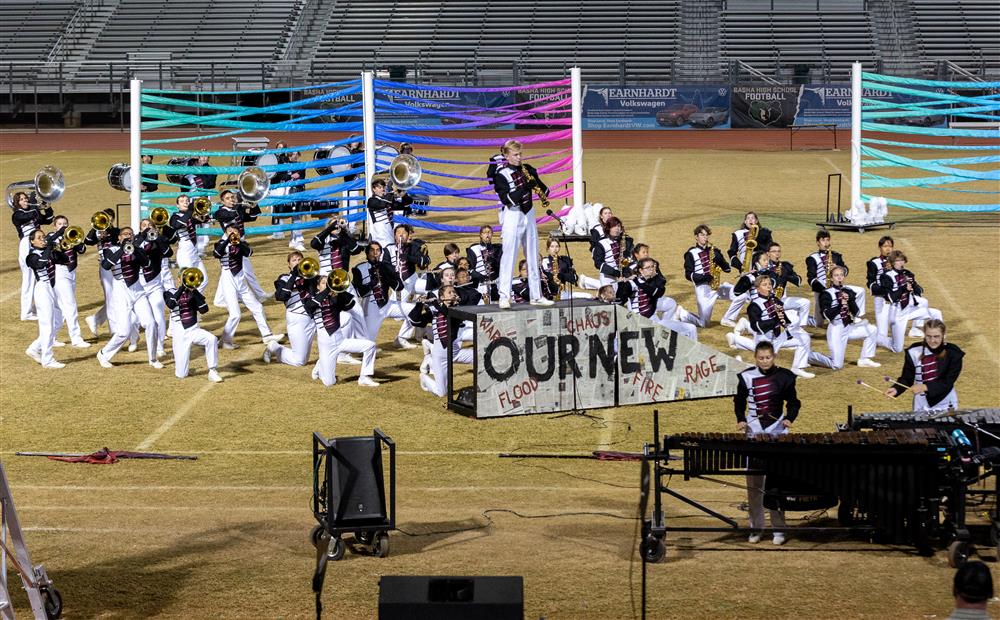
x=71 y=238
x=151 y=234
x=128 y=248
x=202 y=205
x=308 y=268
x=234 y=238
x=159 y=217
x=751 y=246
x=338 y=280
x=100 y=220
x=192 y=278
x=48 y=184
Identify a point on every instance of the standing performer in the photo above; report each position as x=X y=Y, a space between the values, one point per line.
x=876 y=267
x=185 y=222
x=484 y=263
x=930 y=370
x=906 y=303
x=66 y=256
x=202 y=181
x=703 y=266
x=43 y=267
x=752 y=234
x=335 y=246
x=435 y=314
x=156 y=245
x=326 y=307
x=761 y=394
x=613 y=253
x=232 y=251
x=380 y=210
x=27 y=218
x=293 y=288
x=515 y=183
x=126 y=261
x=405 y=256
x=103 y=239
x=187 y=302
x=374 y=279
x=818 y=267
x=841 y=309
x=768 y=322
x=233 y=214
x=642 y=293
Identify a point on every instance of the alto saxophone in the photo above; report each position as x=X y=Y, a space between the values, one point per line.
x=779 y=291
x=536 y=187
x=829 y=264
x=714 y=269
x=751 y=245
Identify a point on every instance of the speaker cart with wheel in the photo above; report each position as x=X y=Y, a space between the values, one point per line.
x=349 y=494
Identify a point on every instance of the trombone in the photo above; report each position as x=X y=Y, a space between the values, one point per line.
x=72 y=237
x=309 y=268
x=201 y=206
x=192 y=277
x=159 y=217
x=48 y=184
x=100 y=220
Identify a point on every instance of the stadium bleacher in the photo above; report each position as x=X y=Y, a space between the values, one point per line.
x=962 y=31
x=33 y=28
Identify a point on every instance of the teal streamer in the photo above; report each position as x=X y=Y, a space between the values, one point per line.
x=932 y=131
x=925 y=182
x=300 y=148
x=893 y=79
x=248 y=92
x=988 y=159
x=945 y=147
x=927 y=94
x=992 y=175
x=937 y=206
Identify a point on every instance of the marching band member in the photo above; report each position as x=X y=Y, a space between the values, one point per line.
x=103 y=240
x=557 y=273
x=293 y=288
x=295 y=235
x=744 y=290
x=231 y=251
x=326 y=307
x=335 y=246
x=818 y=267
x=126 y=260
x=519 y=290
x=761 y=393
x=876 y=267
x=380 y=210
x=738 y=242
x=514 y=184
x=434 y=313
x=405 y=256
x=930 y=370
x=768 y=322
x=783 y=273
x=613 y=253
x=484 y=262
x=606 y=294
x=186 y=302
x=906 y=303
x=468 y=292
x=841 y=309
x=66 y=257
x=233 y=214
x=374 y=280
x=699 y=261
x=42 y=263
x=152 y=185
x=27 y=218
x=642 y=293
x=156 y=245
x=201 y=181
x=185 y=222
x=598 y=230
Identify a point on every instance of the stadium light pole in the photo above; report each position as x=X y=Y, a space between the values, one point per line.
x=368 y=127
x=855 y=133
x=135 y=148
x=577 y=118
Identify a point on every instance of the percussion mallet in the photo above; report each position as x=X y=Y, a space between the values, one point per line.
x=871 y=387
x=905 y=387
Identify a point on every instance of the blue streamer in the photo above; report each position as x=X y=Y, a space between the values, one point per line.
x=936 y=206
x=931 y=131
x=944 y=147
x=356 y=81
x=892 y=79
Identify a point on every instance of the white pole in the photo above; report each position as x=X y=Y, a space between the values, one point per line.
x=855 y=134
x=135 y=147
x=577 y=116
x=368 y=122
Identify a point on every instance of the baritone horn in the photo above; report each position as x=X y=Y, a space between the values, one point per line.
x=48 y=184
x=192 y=277
x=404 y=172
x=309 y=268
x=253 y=184
x=202 y=205
x=159 y=217
x=339 y=280
x=71 y=238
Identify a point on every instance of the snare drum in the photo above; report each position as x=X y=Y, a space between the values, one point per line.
x=120 y=177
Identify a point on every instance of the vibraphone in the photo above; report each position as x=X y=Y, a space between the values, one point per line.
x=896 y=478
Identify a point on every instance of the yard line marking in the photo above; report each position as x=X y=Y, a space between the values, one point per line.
x=308 y=487
x=306 y=451
x=837 y=168
x=17 y=292
x=32 y=155
x=649 y=194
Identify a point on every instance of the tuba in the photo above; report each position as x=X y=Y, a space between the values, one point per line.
x=202 y=206
x=71 y=238
x=751 y=245
x=100 y=220
x=339 y=280
x=308 y=268
x=159 y=217
x=192 y=277
x=48 y=184
x=404 y=172
x=253 y=184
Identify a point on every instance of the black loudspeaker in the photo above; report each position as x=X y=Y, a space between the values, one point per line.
x=397 y=72
x=356 y=490
x=451 y=598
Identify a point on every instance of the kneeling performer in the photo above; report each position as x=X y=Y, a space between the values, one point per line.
x=187 y=301
x=325 y=307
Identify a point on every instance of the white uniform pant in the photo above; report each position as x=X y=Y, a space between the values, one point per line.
x=331 y=346
x=838 y=334
x=797 y=310
x=755 y=486
x=668 y=307
x=899 y=317
x=103 y=314
x=65 y=291
x=797 y=340
x=125 y=301
x=588 y=283
x=184 y=339
x=49 y=319
x=882 y=311
x=518 y=231
x=860 y=297
x=706 y=298
x=382 y=233
x=439 y=365
x=251 y=279
x=27 y=278
x=234 y=290
x=736 y=306
x=301 y=330
x=154 y=293
x=353 y=320
x=188 y=256
x=374 y=316
x=949 y=402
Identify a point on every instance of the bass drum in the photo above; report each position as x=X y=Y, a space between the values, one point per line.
x=267 y=159
x=384 y=155
x=120 y=177
x=332 y=153
x=179 y=161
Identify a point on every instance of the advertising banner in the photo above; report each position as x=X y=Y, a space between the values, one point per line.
x=447 y=101
x=764 y=107
x=665 y=106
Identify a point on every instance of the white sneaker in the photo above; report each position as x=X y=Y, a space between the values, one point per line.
x=345 y=358
x=161 y=353
x=504 y=304
x=727 y=323
x=29 y=317
x=91 y=324
x=916 y=333
x=230 y=345
x=157 y=364
x=54 y=365
x=273 y=338
x=35 y=355
x=103 y=361
x=779 y=538
x=403 y=343
x=81 y=344
x=805 y=374
x=731 y=339
x=866 y=362
x=132 y=346
x=367 y=381
x=298 y=247
x=278 y=235
x=213 y=376
x=265 y=297
x=315 y=373
x=267 y=354
x=58 y=343
x=542 y=302
x=424 y=380
x=754 y=538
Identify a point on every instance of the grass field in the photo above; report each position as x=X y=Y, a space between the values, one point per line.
x=226 y=536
